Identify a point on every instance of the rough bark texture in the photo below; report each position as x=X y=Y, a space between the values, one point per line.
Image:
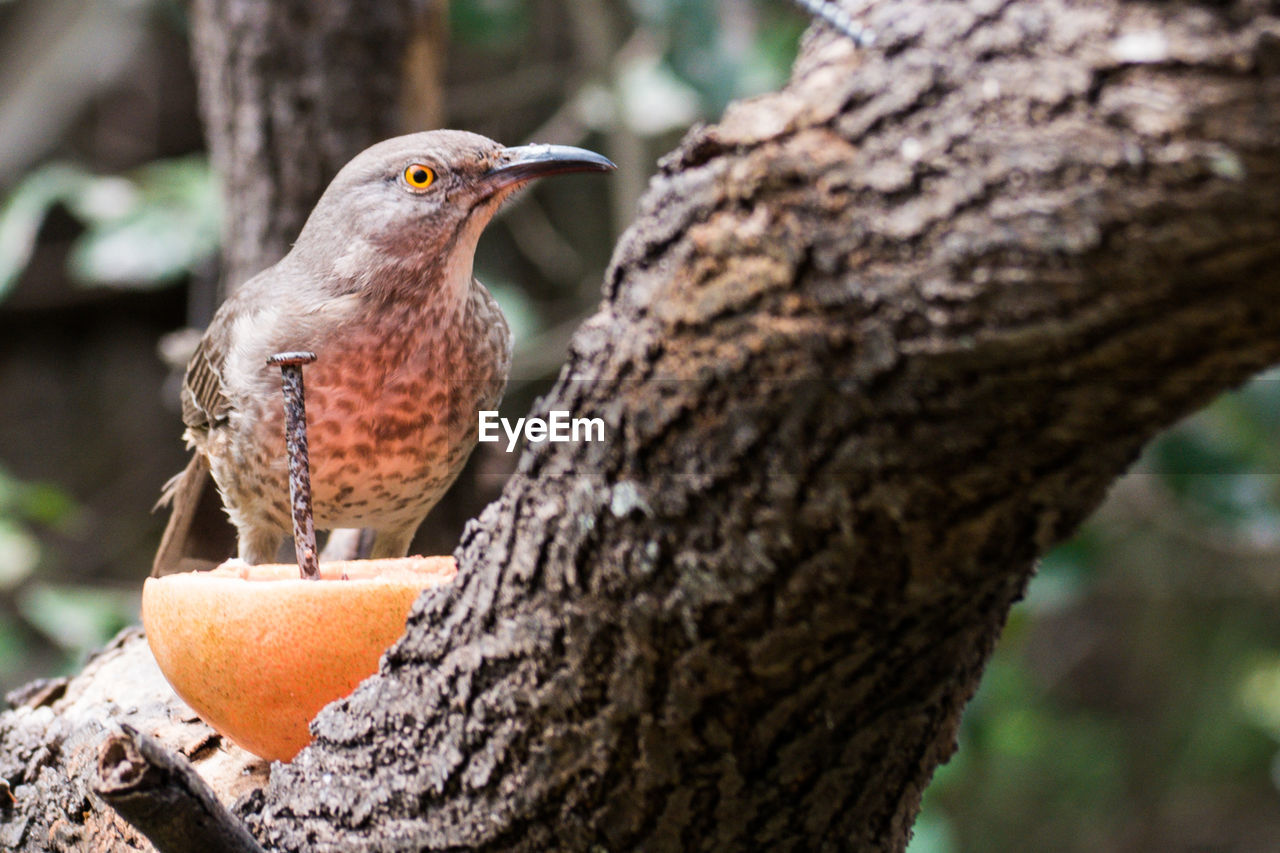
x=50 y=741
x=164 y=797
x=290 y=91
x=873 y=343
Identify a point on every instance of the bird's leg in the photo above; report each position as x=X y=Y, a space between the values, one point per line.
x=258 y=544
x=393 y=542
x=348 y=543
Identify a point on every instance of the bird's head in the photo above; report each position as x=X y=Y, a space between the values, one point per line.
x=412 y=208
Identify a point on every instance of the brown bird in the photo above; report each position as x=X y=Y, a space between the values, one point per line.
x=410 y=346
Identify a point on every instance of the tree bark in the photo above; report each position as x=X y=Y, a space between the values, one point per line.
x=873 y=343
x=50 y=744
x=290 y=91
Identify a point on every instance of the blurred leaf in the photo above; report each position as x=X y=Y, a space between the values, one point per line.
x=144 y=229
x=11 y=649
x=1259 y=696
x=36 y=503
x=1223 y=464
x=488 y=23
x=77 y=618
x=1193 y=451
x=24 y=212
x=698 y=52
x=724 y=50
x=777 y=45
x=1063 y=575
x=19 y=554
x=168 y=225
x=654 y=99
x=45 y=503
x=1261 y=397
x=1012 y=734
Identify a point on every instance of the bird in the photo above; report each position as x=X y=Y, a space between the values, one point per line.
x=409 y=345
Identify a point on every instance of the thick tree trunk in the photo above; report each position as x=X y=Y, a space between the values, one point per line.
x=873 y=343
x=290 y=91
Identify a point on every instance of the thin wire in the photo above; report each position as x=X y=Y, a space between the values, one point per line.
x=838 y=19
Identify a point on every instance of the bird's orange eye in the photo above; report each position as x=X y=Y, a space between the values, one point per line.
x=418 y=176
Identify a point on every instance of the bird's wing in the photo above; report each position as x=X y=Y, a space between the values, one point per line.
x=204 y=402
x=267 y=307
x=198 y=535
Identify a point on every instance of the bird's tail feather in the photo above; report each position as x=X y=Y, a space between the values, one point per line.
x=199 y=535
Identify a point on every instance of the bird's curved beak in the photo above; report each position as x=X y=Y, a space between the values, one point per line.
x=526 y=162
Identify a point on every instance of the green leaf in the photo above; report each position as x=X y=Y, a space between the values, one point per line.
x=19 y=554
x=24 y=212
x=147 y=228
x=38 y=503
x=77 y=618
x=1063 y=575
x=12 y=648
x=47 y=504
x=166 y=227
x=488 y=23
x=1259 y=696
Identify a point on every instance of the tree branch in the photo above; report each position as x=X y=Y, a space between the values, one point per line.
x=51 y=741
x=160 y=793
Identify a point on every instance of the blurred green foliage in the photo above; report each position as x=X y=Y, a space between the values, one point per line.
x=23 y=506
x=1223 y=466
x=72 y=619
x=490 y=24
x=719 y=51
x=1134 y=700
x=146 y=228
x=78 y=619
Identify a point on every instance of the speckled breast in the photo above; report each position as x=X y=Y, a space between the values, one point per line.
x=391 y=419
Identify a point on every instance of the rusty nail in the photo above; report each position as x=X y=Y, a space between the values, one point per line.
x=295 y=438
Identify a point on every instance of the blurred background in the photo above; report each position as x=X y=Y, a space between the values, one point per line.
x=1134 y=702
